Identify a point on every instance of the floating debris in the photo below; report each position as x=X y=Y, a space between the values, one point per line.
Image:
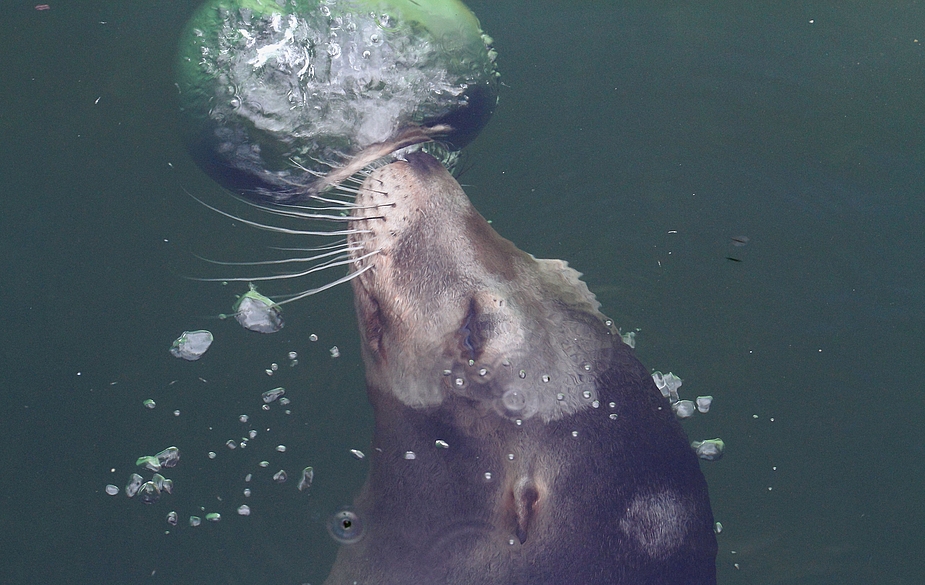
x=305 y=482
x=149 y=493
x=256 y=312
x=668 y=384
x=271 y=395
x=149 y=461
x=683 y=408
x=703 y=403
x=629 y=338
x=709 y=450
x=191 y=345
x=168 y=457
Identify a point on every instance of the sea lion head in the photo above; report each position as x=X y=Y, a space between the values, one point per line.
x=449 y=308
x=517 y=440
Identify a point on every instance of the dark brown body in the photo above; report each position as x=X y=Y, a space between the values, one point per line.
x=517 y=440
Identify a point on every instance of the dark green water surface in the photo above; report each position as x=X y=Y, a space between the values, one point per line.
x=633 y=139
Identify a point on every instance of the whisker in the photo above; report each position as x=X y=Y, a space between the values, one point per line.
x=342 y=280
x=335 y=252
x=277 y=229
x=337 y=261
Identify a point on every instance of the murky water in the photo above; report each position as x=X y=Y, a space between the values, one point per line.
x=642 y=142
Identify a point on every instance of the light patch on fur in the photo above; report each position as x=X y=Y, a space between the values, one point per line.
x=658 y=523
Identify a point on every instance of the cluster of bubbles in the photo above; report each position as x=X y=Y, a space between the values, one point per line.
x=276 y=93
x=668 y=384
x=150 y=491
x=256 y=313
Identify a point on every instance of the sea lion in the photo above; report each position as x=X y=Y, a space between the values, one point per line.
x=517 y=438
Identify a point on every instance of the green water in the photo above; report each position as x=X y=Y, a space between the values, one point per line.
x=634 y=140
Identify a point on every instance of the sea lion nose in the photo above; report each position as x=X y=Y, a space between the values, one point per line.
x=525 y=496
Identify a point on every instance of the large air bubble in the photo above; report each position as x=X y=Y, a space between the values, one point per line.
x=275 y=92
